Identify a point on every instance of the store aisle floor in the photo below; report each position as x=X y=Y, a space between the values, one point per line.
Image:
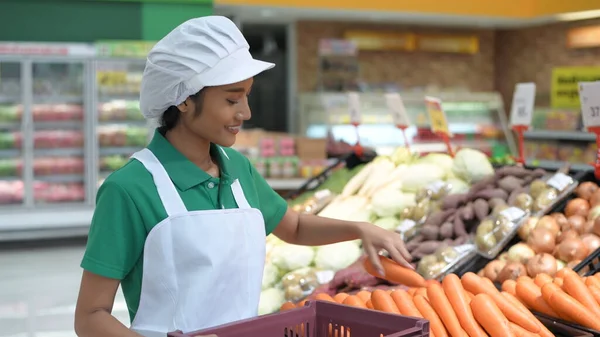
x=38 y=290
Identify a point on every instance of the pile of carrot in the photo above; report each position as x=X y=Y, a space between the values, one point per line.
x=467 y=307
x=566 y=296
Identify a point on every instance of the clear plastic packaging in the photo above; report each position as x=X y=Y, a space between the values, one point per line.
x=428 y=201
x=315 y=203
x=445 y=260
x=408 y=229
x=496 y=231
x=299 y=283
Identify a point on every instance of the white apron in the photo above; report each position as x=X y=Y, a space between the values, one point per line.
x=201 y=268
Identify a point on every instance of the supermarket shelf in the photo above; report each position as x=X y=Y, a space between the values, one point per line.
x=10 y=125
x=77 y=151
x=58 y=124
x=555 y=165
x=124 y=121
x=61 y=178
x=111 y=151
x=64 y=99
x=10 y=99
x=286 y=184
x=560 y=135
x=9 y=153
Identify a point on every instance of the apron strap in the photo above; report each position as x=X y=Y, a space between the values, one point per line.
x=238 y=195
x=166 y=190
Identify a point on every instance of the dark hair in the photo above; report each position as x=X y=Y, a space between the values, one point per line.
x=171 y=116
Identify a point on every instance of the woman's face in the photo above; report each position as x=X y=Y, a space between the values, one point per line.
x=224 y=109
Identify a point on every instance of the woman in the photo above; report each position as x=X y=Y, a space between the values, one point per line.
x=182 y=226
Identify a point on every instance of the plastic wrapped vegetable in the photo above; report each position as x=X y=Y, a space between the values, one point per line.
x=291 y=257
x=299 y=283
x=471 y=165
x=337 y=256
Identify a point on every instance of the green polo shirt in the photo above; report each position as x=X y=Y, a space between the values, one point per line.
x=128 y=207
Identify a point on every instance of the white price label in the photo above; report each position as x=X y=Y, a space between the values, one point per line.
x=560 y=181
x=354 y=107
x=513 y=213
x=397 y=109
x=325 y=276
x=589 y=95
x=405 y=225
x=522 y=105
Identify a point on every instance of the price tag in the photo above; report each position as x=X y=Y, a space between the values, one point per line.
x=513 y=213
x=405 y=225
x=325 y=276
x=560 y=181
x=522 y=105
x=589 y=95
x=437 y=115
x=462 y=249
x=397 y=109
x=354 y=107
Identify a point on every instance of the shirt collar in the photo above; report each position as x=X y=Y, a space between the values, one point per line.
x=181 y=170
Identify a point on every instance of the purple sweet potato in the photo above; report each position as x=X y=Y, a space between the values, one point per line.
x=430 y=232
x=453 y=201
x=413 y=243
x=516 y=171
x=489 y=194
x=459 y=227
x=510 y=183
x=481 y=209
x=438 y=218
x=467 y=212
x=447 y=230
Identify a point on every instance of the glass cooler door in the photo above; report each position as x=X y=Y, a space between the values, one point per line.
x=11 y=146
x=58 y=132
x=122 y=130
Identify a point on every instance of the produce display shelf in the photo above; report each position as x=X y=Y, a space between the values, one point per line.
x=321 y=319
x=547 y=319
x=555 y=165
x=560 y=135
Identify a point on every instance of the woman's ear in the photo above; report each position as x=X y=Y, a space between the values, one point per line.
x=185 y=106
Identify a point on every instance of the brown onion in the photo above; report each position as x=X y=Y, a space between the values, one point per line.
x=570 y=233
x=512 y=271
x=549 y=223
x=588 y=227
x=541 y=240
x=541 y=263
x=492 y=269
x=577 y=206
x=596 y=228
x=595 y=199
x=560 y=218
x=586 y=189
x=594 y=213
x=591 y=241
x=573 y=264
x=527 y=227
x=576 y=222
x=571 y=249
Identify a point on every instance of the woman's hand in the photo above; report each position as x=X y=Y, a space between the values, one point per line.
x=374 y=239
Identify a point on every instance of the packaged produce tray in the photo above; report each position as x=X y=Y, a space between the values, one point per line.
x=590 y=265
x=321 y=319
x=563 y=328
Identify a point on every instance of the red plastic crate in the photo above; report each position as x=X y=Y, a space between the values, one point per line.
x=321 y=319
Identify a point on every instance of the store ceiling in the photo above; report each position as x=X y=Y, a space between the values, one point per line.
x=465 y=13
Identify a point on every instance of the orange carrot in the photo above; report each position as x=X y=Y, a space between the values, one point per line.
x=442 y=306
x=558 y=281
x=364 y=295
x=520 y=332
x=566 y=305
x=405 y=304
x=575 y=286
x=595 y=292
x=544 y=332
x=369 y=304
x=531 y=295
x=302 y=303
x=340 y=297
x=488 y=314
x=470 y=294
x=382 y=301
x=395 y=273
x=461 y=305
x=324 y=297
x=542 y=278
x=287 y=306
x=412 y=291
x=428 y=282
x=593 y=281
x=560 y=273
x=489 y=282
x=354 y=301
x=435 y=323
x=422 y=292
x=473 y=283
x=509 y=286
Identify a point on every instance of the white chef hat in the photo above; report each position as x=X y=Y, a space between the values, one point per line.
x=201 y=52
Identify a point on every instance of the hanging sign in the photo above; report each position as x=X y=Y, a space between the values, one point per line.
x=399 y=114
x=521 y=114
x=438 y=121
x=589 y=95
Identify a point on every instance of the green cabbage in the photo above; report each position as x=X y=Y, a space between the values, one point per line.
x=472 y=165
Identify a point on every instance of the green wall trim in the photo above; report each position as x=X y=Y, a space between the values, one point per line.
x=158 y=19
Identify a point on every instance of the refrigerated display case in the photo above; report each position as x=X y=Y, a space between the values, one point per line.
x=476 y=120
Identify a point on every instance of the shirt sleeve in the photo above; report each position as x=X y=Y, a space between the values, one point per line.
x=271 y=205
x=117 y=234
